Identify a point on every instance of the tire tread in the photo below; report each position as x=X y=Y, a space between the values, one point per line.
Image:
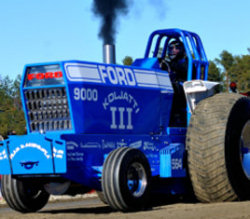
x=205 y=145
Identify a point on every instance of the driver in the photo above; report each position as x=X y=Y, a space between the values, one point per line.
x=178 y=61
x=177 y=66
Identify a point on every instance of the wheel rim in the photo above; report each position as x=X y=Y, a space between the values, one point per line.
x=136 y=179
x=245 y=149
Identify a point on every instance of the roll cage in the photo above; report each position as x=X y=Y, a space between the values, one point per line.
x=197 y=60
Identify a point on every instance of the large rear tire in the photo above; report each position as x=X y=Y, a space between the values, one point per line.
x=219 y=147
x=23 y=196
x=126 y=179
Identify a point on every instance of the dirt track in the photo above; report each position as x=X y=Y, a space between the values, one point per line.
x=92 y=208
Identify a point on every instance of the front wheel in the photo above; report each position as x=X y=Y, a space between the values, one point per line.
x=23 y=196
x=101 y=197
x=126 y=179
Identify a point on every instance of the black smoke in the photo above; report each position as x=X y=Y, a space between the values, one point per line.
x=109 y=11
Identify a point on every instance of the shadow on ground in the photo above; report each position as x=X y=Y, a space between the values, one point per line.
x=157 y=199
x=156 y=202
x=83 y=210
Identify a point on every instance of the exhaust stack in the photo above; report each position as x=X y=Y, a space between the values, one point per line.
x=109 y=54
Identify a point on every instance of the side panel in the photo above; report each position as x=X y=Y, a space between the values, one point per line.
x=117 y=99
x=115 y=110
x=86 y=154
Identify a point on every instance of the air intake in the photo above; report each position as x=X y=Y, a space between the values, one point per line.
x=47 y=109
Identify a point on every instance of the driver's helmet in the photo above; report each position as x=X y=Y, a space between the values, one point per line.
x=175 y=49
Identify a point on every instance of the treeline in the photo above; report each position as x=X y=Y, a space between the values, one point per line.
x=11 y=114
x=228 y=68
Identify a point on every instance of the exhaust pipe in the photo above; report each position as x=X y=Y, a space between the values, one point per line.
x=109 y=54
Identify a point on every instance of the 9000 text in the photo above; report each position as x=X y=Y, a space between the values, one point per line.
x=85 y=94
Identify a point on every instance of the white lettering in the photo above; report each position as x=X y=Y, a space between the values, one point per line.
x=117 y=75
x=176 y=164
x=129 y=126
x=77 y=94
x=130 y=77
x=112 y=75
x=121 y=76
x=121 y=96
x=113 y=124
x=30 y=145
x=85 y=94
x=103 y=73
x=121 y=110
x=105 y=103
x=121 y=125
x=111 y=97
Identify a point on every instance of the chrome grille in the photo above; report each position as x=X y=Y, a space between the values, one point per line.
x=48 y=109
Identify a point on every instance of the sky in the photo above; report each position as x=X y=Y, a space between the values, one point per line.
x=38 y=31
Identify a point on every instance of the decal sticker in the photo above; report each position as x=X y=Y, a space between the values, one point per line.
x=30 y=145
x=149 y=146
x=121 y=144
x=58 y=153
x=176 y=163
x=46 y=75
x=3 y=155
x=136 y=144
x=71 y=145
x=29 y=164
x=117 y=75
x=90 y=145
x=120 y=113
x=108 y=144
x=75 y=156
x=153 y=156
x=122 y=95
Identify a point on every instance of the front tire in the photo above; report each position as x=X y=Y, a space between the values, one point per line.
x=23 y=196
x=218 y=145
x=126 y=179
x=101 y=197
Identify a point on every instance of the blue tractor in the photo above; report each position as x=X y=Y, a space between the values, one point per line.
x=120 y=131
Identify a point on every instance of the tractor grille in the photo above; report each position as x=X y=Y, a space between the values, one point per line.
x=47 y=109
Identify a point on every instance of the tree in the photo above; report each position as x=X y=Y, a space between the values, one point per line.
x=214 y=73
x=240 y=72
x=237 y=69
x=16 y=92
x=128 y=60
x=227 y=61
x=11 y=114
